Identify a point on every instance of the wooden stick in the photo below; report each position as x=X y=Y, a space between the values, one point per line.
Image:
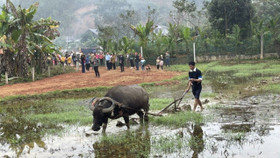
x=158 y=114
x=174 y=102
x=167 y=107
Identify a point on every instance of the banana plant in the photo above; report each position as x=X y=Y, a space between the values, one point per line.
x=125 y=44
x=9 y=36
x=24 y=35
x=186 y=37
x=235 y=37
x=143 y=32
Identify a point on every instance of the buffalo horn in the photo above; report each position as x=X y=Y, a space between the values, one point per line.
x=111 y=108
x=93 y=102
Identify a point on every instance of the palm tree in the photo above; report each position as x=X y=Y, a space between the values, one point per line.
x=260 y=30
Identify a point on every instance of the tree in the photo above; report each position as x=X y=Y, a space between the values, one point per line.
x=143 y=32
x=260 y=30
x=235 y=37
x=224 y=14
x=266 y=9
x=106 y=34
x=160 y=41
x=24 y=36
x=116 y=14
x=186 y=37
x=125 y=44
x=185 y=10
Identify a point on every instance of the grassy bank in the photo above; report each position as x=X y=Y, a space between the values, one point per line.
x=239 y=78
x=73 y=93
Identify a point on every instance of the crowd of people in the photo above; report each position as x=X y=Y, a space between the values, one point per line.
x=109 y=60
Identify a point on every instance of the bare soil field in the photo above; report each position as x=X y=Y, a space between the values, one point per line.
x=88 y=79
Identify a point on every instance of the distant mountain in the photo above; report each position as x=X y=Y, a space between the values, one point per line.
x=76 y=16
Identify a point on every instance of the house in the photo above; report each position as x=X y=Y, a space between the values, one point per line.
x=162 y=29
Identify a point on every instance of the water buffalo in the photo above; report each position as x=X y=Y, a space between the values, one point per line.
x=120 y=101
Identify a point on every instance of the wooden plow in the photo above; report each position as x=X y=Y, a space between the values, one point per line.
x=175 y=103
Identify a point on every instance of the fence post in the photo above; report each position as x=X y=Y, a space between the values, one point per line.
x=33 y=74
x=49 y=71
x=77 y=66
x=194 y=59
x=6 y=76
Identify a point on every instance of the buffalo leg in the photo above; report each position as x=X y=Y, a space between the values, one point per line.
x=146 y=118
x=126 y=120
x=104 y=125
x=140 y=114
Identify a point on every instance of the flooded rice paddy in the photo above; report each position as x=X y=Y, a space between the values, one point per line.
x=242 y=128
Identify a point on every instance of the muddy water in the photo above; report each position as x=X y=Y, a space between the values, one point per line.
x=241 y=128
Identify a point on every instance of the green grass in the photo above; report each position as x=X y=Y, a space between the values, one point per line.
x=179 y=119
x=79 y=115
x=273 y=88
x=168 y=144
x=72 y=93
x=129 y=144
x=208 y=95
x=68 y=111
x=159 y=103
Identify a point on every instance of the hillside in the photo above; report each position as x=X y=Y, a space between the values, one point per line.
x=77 y=16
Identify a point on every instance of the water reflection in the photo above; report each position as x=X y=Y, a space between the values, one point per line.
x=225 y=80
x=18 y=133
x=130 y=144
x=196 y=141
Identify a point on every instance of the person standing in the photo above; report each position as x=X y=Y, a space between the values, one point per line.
x=143 y=62
x=101 y=56
x=157 y=62
x=121 y=62
x=195 y=79
x=88 y=62
x=74 y=58
x=83 y=60
x=62 y=60
x=161 y=63
x=92 y=56
x=137 y=60
x=108 y=58
x=69 y=60
x=95 y=66
x=167 y=59
x=131 y=58
x=113 y=61
x=127 y=60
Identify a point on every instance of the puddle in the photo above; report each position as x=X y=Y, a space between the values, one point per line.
x=240 y=128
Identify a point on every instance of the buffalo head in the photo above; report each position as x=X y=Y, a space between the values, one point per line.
x=102 y=109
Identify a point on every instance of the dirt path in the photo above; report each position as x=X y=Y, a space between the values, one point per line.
x=88 y=79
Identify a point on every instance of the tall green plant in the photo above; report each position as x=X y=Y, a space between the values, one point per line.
x=143 y=32
x=235 y=37
x=125 y=44
x=186 y=37
x=260 y=30
x=24 y=36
